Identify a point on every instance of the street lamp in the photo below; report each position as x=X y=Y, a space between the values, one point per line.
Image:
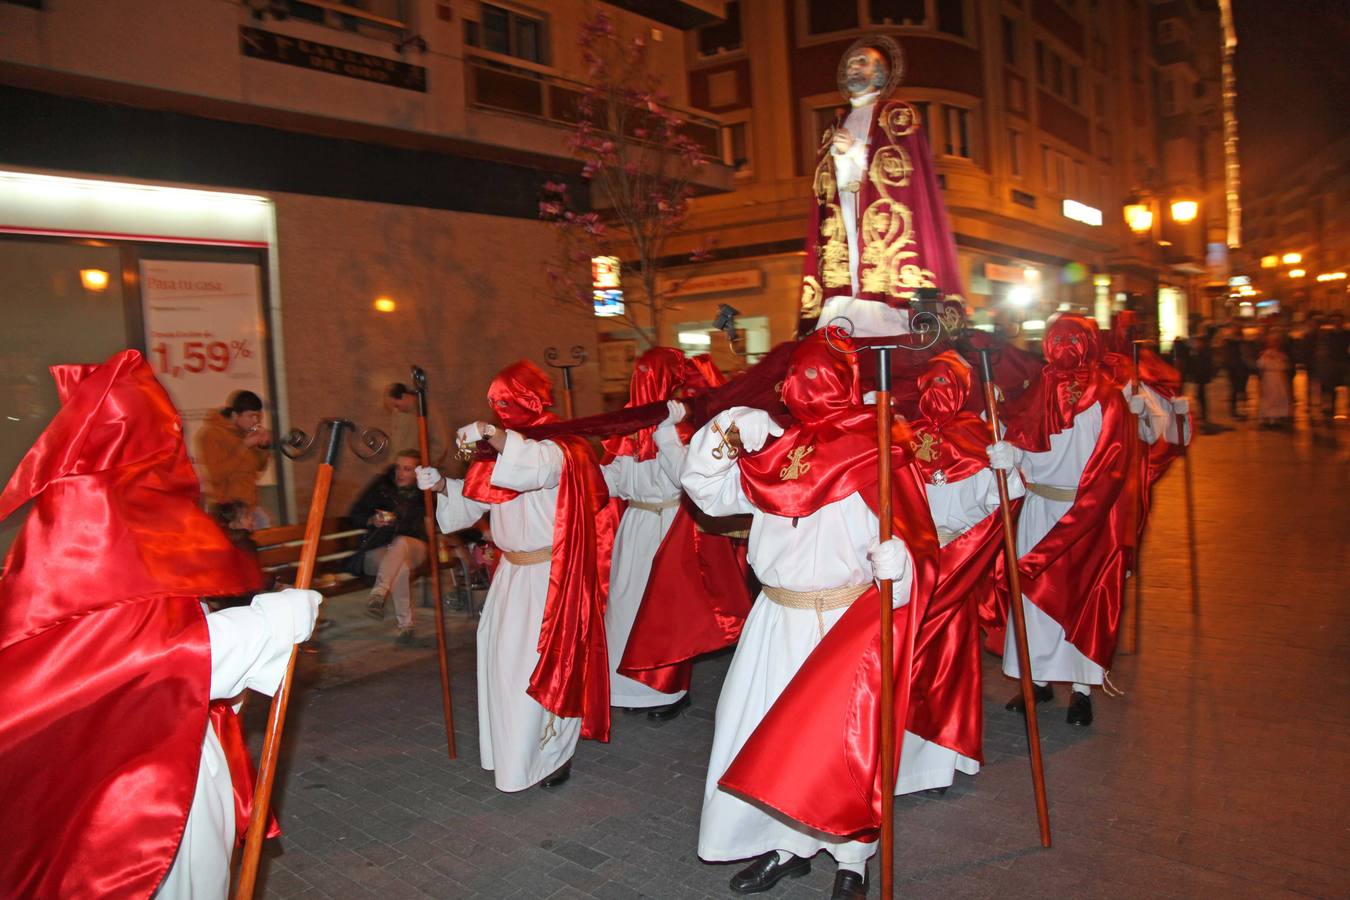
x=1138 y=215
x=1297 y=273
x=1184 y=211
x=1292 y=259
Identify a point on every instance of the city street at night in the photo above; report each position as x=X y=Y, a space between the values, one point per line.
x=1217 y=774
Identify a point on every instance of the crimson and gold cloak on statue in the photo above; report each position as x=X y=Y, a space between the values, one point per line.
x=105 y=660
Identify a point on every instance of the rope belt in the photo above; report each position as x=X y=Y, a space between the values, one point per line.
x=528 y=557
x=654 y=507
x=820 y=601
x=945 y=537
x=1051 y=492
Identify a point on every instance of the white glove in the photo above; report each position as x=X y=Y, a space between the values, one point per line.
x=890 y=561
x=1137 y=404
x=870 y=398
x=675 y=413
x=1181 y=405
x=429 y=478
x=755 y=427
x=290 y=614
x=471 y=433
x=1002 y=455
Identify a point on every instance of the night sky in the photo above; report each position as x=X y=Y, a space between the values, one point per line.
x=1293 y=82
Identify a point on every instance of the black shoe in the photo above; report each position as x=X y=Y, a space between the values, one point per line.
x=405 y=638
x=1080 y=709
x=849 y=885
x=766 y=871
x=375 y=608
x=1038 y=693
x=559 y=776
x=669 y=711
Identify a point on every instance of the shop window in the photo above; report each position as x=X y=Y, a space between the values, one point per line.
x=1009 y=41
x=725 y=36
x=825 y=16
x=736 y=147
x=956 y=131
x=897 y=12
x=509 y=33
x=951 y=16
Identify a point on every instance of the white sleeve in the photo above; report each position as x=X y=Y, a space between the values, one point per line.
x=613 y=472
x=670 y=452
x=714 y=484
x=247 y=651
x=526 y=465
x=1157 y=412
x=454 y=511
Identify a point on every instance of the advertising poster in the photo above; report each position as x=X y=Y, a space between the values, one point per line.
x=204 y=338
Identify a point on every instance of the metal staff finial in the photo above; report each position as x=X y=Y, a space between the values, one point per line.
x=551 y=356
x=365 y=443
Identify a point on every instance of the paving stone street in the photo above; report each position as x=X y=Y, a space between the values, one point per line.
x=1220 y=773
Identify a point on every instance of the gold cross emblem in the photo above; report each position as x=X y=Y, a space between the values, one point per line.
x=796 y=468
x=925 y=448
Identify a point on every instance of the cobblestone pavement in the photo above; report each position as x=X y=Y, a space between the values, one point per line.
x=1220 y=773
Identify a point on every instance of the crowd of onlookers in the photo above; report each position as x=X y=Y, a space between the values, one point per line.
x=1271 y=352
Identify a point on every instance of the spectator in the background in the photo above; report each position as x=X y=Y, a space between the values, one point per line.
x=1331 y=344
x=233 y=449
x=401 y=401
x=396 y=546
x=1273 y=400
x=1234 y=359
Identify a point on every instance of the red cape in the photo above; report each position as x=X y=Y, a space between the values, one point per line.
x=572 y=677
x=815 y=756
x=105 y=660
x=696 y=601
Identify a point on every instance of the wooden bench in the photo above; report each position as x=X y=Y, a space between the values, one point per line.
x=279 y=556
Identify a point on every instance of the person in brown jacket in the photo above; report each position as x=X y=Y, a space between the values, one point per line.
x=233 y=449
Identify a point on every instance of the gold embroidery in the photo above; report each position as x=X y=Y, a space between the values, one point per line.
x=900 y=119
x=811 y=294
x=796 y=468
x=887 y=228
x=1075 y=391
x=834 y=251
x=925 y=448
x=891 y=168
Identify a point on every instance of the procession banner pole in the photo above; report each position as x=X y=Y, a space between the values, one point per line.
x=419 y=378
x=276 y=719
x=1018 y=613
x=886 y=589
x=1190 y=512
x=1138 y=535
x=551 y=356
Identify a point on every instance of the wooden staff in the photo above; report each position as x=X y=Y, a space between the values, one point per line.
x=433 y=560
x=1190 y=512
x=886 y=589
x=1018 y=613
x=1138 y=535
x=551 y=355
x=276 y=718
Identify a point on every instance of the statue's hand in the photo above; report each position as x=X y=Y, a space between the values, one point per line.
x=841 y=141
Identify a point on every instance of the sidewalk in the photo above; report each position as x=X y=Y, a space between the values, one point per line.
x=1220 y=773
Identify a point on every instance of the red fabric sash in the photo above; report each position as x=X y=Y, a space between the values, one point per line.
x=230 y=733
x=696 y=602
x=572 y=677
x=1076 y=573
x=815 y=757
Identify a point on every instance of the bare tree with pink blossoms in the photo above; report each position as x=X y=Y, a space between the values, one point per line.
x=640 y=165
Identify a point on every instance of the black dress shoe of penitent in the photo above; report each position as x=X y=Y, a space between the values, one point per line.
x=1038 y=693
x=766 y=871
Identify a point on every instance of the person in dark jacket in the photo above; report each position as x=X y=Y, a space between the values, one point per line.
x=396 y=545
x=1233 y=353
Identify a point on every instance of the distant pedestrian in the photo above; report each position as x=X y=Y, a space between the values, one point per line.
x=1234 y=359
x=1273 y=399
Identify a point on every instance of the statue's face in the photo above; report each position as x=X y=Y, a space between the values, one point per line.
x=865 y=71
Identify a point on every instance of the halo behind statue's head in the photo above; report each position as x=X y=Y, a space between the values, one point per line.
x=888 y=48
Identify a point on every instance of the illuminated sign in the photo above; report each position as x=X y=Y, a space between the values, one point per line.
x=1237 y=280
x=609 y=303
x=1081 y=212
x=604 y=272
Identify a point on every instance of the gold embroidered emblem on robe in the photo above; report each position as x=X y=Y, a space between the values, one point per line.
x=796 y=466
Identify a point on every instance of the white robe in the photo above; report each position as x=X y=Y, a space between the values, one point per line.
x=639 y=536
x=870 y=318
x=247 y=651
x=824 y=550
x=1053 y=658
x=519 y=741
x=957 y=507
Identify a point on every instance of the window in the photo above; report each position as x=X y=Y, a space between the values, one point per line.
x=1009 y=41
x=825 y=16
x=926 y=123
x=1057 y=75
x=1040 y=64
x=1015 y=153
x=509 y=33
x=723 y=37
x=1072 y=73
x=365 y=15
x=1099 y=95
x=736 y=147
x=951 y=16
x=1169 y=31
x=1056 y=169
x=895 y=12
x=956 y=123
x=1169 y=97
